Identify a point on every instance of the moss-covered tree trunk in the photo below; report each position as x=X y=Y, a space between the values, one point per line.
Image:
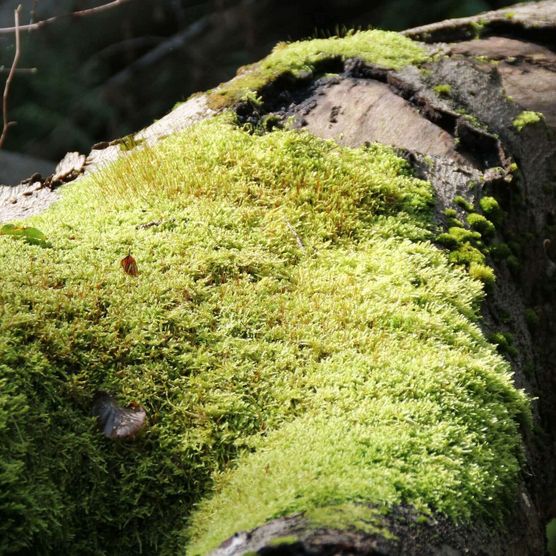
x=479 y=122
x=304 y=325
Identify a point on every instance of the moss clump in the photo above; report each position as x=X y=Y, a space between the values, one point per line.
x=482 y=272
x=298 y=59
x=526 y=118
x=532 y=318
x=283 y=541
x=296 y=339
x=500 y=251
x=463 y=203
x=504 y=342
x=443 y=89
x=481 y=224
x=463 y=235
x=489 y=205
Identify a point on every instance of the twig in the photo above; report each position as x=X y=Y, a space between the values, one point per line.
x=4 y=69
x=152 y=57
x=80 y=13
x=9 y=79
x=296 y=235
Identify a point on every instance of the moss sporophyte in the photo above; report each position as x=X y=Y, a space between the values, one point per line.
x=277 y=380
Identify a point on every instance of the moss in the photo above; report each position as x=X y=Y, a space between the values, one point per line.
x=450 y=213
x=551 y=537
x=283 y=541
x=443 y=89
x=482 y=272
x=277 y=378
x=477 y=28
x=532 y=318
x=481 y=224
x=500 y=251
x=463 y=203
x=466 y=254
x=504 y=342
x=513 y=263
x=357 y=517
x=489 y=205
x=526 y=118
x=463 y=235
x=299 y=59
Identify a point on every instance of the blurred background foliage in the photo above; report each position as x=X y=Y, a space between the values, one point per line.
x=103 y=76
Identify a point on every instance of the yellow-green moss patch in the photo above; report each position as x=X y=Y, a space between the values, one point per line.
x=296 y=338
x=383 y=48
x=527 y=117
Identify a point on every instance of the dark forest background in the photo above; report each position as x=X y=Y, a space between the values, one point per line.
x=106 y=75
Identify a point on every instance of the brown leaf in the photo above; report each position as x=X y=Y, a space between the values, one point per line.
x=129 y=264
x=118 y=422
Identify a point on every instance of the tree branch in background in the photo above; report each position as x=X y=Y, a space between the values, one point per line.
x=7 y=124
x=4 y=69
x=80 y=13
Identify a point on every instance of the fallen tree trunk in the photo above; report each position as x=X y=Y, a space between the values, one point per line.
x=473 y=115
x=478 y=120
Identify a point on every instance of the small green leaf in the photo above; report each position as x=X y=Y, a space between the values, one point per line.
x=26 y=233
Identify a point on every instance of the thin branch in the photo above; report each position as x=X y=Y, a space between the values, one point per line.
x=296 y=235
x=80 y=13
x=9 y=79
x=4 y=69
x=151 y=58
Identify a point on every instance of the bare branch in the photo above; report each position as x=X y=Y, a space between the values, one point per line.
x=4 y=69
x=80 y=13
x=9 y=79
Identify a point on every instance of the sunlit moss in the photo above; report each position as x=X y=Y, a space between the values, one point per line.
x=296 y=338
x=443 y=89
x=382 y=48
x=526 y=118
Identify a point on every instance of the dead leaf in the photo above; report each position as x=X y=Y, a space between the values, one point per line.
x=118 y=422
x=129 y=264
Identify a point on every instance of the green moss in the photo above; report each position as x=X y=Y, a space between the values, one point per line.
x=500 y=251
x=478 y=28
x=526 y=118
x=283 y=541
x=481 y=224
x=482 y=272
x=504 y=342
x=532 y=318
x=349 y=516
x=466 y=254
x=513 y=263
x=450 y=213
x=462 y=234
x=278 y=377
x=443 y=89
x=551 y=537
x=383 y=48
x=463 y=203
x=489 y=205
